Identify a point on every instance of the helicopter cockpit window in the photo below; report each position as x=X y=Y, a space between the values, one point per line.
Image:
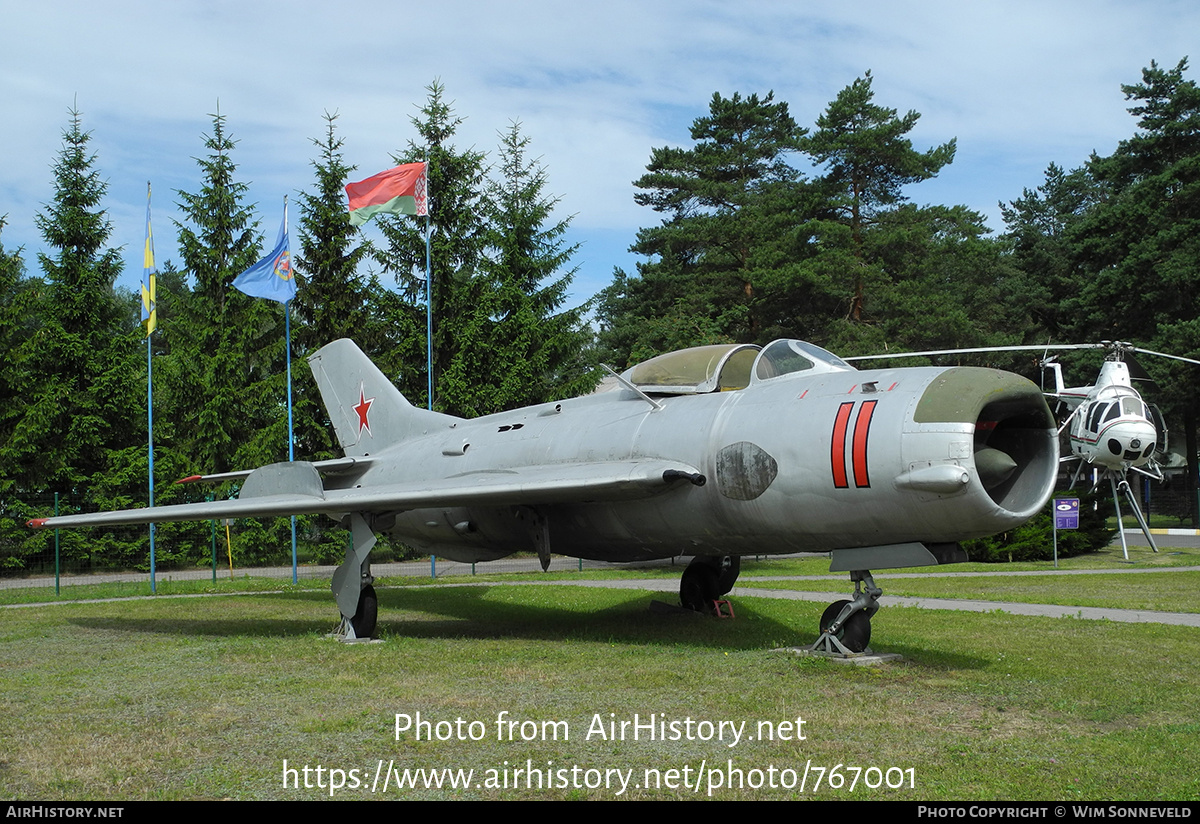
x=1134 y=408
x=1114 y=411
x=1094 y=417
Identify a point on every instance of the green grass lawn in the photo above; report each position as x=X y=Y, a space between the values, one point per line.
x=169 y=698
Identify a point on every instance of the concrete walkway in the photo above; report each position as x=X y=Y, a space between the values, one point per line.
x=670 y=585
x=748 y=590
x=1128 y=616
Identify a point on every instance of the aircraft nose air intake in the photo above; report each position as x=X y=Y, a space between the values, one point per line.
x=1015 y=448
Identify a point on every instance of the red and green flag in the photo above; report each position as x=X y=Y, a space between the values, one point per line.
x=399 y=191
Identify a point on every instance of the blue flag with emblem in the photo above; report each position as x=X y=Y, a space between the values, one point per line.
x=272 y=276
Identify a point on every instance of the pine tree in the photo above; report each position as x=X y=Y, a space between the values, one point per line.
x=1139 y=247
x=1042 y=224
x=868 y=160
x=716 y=258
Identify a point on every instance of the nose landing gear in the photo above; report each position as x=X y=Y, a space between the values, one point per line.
x=846 y=625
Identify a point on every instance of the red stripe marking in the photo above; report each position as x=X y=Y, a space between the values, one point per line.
x=862 y=428
x=838 y=452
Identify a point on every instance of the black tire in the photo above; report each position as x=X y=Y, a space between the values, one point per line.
x=698 y=587
x=367 y=613
x=855 y=634
x=728 y=576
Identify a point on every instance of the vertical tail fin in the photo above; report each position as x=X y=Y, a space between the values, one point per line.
x=368 y=412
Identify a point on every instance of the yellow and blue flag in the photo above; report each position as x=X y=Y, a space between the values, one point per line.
x=149 y=276
x=271 y=277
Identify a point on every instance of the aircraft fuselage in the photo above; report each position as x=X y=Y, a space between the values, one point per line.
x=799 y=462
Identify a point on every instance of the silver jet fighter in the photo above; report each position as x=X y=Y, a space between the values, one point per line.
x=714 y=452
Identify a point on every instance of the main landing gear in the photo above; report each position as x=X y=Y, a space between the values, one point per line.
x=352 y=584
x=846 y=625
x=706 y=579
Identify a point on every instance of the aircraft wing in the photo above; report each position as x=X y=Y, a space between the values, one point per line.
x=296 y=489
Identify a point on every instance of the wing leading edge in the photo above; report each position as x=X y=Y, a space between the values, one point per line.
x=296 y=489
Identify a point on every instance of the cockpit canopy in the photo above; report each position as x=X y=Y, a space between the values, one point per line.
x=730 y=366
x=1125 y=403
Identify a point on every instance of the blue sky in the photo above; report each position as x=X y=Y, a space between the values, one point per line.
x=596 y=86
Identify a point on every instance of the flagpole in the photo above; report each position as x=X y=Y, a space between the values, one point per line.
x=150 y=447
x=149 y=309
x=287 y=327
x=429 y=296
x=274 y=279
x=428 y=315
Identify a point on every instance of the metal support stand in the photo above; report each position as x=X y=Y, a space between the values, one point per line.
x=866 y=597
x=1137 y=513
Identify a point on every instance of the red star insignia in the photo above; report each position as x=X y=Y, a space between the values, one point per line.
x=363 y=409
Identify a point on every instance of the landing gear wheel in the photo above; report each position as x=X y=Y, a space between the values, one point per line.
x=729 y=575
x=367 y=613
x=855 y=634
x=698 y=587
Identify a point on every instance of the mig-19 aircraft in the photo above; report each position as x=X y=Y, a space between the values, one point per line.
x=714 y=452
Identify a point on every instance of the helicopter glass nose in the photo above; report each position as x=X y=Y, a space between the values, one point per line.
x=1130 y=440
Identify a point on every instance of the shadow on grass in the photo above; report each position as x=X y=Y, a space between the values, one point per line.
x=542 y=613
x=216 y=628
x=482 y=612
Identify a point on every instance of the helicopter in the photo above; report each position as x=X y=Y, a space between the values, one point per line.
x=1113 y=431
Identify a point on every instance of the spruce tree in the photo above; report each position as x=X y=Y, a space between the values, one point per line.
x=75 y=360
x=18 y=323
x=226 y=373
x=84 y=404
x=333 y=300
x=458 y=246
x=533 y=349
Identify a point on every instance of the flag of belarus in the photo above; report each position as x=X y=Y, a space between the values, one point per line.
x=398 y=191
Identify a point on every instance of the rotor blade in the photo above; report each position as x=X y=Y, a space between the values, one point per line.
x=1021 y=348
x=1152 y=352
x=1137 y=372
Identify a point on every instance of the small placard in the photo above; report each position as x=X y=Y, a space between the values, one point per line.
x=1066 y=513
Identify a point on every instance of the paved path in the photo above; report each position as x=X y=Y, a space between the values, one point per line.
x=1128 y=616
x=670 y=585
